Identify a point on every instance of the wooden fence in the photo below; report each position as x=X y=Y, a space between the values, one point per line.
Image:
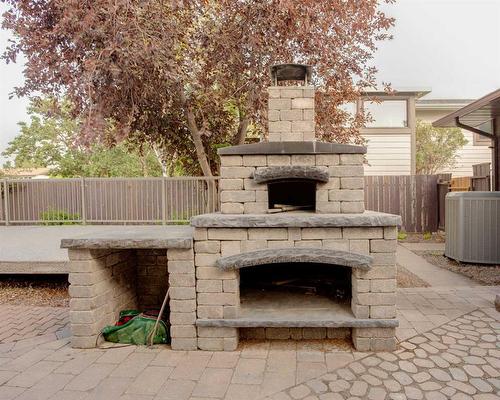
x=414 y=197
x=175 y=200
x=481 y=177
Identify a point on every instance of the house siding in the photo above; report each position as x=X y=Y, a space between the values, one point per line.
x=468 y=155
x=388 y=154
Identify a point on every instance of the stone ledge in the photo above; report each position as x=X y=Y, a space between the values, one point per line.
x=270 y=174
x=139 y=237
x=295 y=220
x=296 y=255
x=34 y=267
x=297 y=323
x=297 y=147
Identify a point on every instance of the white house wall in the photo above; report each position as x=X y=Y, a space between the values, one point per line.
x=468 y=155
x=388 y=154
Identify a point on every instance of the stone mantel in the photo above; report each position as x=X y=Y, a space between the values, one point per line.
x=331 y=257
x=292 y=147
x=282 y=172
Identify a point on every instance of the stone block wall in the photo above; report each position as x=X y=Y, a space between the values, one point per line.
x=294 y=333
x=105 y=282
x=343 y=193
x=152 y=277
x=218 y=292
x=291 y=113
x=182 y=282
x=373 y=291
x=102 y=283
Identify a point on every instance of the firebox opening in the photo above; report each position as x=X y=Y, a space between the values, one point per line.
x=292 y=194
x=303 y=294
x=305 y=282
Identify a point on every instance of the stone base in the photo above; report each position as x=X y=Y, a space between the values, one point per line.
x=374 y=339
x=294 y=333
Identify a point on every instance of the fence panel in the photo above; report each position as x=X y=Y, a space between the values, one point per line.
x=107 y=200
x=31 y=201
x=481 y=179
x=174 y=200
x=413 y=197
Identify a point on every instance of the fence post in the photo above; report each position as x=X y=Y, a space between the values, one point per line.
x=163 y=201
x=84 y=207
x=6 y=202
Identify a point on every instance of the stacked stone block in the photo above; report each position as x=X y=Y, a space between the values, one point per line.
x=182 y=284
x=105 y=282
x=218 y=292
x=373 y=291
x=102 y=283
x=343 y=193
x=294 y=333
x=152 y=277
x=291 y=113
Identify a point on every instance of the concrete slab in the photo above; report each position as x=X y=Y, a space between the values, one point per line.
x=37 y=249
x=424 y=246
x=433 y=275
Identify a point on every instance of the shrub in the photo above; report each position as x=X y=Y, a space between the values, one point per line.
x=59 y=217
x=402 y=235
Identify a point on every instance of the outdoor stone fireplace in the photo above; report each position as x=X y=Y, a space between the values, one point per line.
x=292 y=254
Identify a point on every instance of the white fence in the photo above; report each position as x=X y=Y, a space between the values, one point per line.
x=106 y=200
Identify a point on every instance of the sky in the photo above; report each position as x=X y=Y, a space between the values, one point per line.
x=449 y=46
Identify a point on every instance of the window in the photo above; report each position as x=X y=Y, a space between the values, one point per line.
x=387 y=114
x=479 y=140
x=349 y=108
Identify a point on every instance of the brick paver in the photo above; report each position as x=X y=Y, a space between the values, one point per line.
x=450 y=352
x=20 y=323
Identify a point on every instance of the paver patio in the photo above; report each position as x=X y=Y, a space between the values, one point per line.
x=448 y=349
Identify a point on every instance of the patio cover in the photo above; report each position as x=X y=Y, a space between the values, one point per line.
x=481 y=117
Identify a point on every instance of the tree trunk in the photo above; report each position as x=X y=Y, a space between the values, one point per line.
x=211 y=204
x=161 y=160
x=244 y=120
x=242 y=131
x=196 y=136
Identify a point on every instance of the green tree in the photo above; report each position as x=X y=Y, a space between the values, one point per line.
x=437 y=147
x=169 y=69
x=50 y=139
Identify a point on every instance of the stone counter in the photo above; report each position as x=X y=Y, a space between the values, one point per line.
x=134 y=237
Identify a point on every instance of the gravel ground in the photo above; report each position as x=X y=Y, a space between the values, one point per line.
x=37 y=290
x=419 y=237
x=481 y=273
x=52 y=290
x=407 y=279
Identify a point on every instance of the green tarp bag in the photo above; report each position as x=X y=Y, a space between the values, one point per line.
x=136 y=330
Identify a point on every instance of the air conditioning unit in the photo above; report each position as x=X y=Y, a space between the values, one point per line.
x=472 y=225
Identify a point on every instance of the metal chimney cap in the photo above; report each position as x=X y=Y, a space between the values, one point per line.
x=291 y=72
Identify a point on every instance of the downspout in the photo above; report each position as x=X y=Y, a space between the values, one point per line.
x=495 y=152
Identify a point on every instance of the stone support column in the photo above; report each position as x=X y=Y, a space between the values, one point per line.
x=102 y=283
x=181 y=276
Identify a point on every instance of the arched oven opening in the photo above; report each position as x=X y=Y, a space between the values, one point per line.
x=292 y=194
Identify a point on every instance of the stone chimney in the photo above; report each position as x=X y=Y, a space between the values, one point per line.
x=291 y=108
